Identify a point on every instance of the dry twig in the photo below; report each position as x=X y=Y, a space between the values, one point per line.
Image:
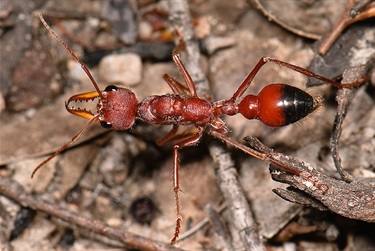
x=12 y=190
x=346 y=20
x=344 y=98
x=355 y=200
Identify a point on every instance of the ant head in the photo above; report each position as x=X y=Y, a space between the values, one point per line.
x=117 y=107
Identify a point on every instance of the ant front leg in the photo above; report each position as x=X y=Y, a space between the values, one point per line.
x=175 y=86
x=181 y=67
x=176 y=184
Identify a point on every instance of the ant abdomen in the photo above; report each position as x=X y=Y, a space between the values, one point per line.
x=278 y=105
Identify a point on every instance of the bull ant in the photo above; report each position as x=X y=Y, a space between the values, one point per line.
x=275 y=105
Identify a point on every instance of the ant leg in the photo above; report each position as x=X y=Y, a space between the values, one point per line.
x=185 y=74
x=249 y=78
x=176 y=86
x=247 y=81
x=253 y=152
x=181 y=67
x=74 y=139
x=314 y=75
x=169 y=136
x=176 y=184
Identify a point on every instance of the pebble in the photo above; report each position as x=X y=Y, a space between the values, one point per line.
x=2 y=102
x=122 y=68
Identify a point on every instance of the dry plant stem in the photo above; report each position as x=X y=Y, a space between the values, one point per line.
x=298 y=197
x=358 y=6
x=6 y=13
x=355 y=200
x=221 y=232
x=345 y=21
x=271 y=17
x=12 y=190
x=194 y=229
x=238 y=206
x=344 y=98
x=200 y=225
x=227 y=179
x=88 y=234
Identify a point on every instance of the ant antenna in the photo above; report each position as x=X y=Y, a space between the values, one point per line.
x=74 y=139
x=84 y=67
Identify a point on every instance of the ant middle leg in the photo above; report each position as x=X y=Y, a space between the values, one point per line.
x=169 y=136
x=193 y=140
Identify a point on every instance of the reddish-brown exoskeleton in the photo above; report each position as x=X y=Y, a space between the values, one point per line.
x=118 y=108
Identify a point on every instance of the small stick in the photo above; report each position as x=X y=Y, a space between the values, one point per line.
x=14 y=191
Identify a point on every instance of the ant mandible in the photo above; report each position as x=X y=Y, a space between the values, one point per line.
x=275 y=105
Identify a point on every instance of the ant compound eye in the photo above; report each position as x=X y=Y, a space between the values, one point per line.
x=106 y=125
x=110 y=88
